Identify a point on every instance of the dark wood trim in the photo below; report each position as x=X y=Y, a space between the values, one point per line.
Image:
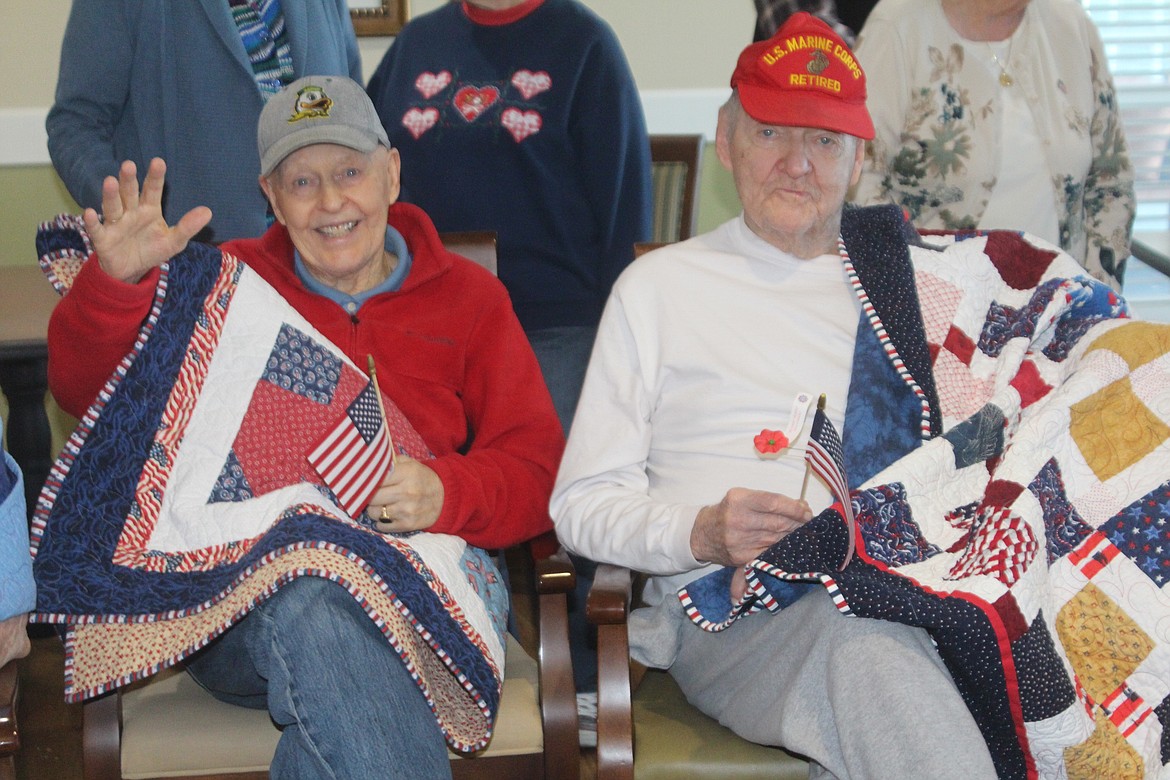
x=101 y=738
x=494 y=768
x=607 y=608
x=26 y=301
x=386 y=18
x=558 y=696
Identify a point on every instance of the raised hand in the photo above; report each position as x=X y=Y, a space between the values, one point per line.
x=132 y=236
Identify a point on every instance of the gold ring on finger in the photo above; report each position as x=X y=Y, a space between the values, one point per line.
x=385 y=515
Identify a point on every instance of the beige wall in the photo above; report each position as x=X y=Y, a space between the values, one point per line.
x=672 y=45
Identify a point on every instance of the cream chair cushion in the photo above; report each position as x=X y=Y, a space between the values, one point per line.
x=674 y=741
x=171 y=727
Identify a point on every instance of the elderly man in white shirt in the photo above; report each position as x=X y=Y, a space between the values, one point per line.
x=703 y=342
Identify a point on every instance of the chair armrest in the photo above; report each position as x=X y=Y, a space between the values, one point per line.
x=608 y=608
x=101 y=737
x=9 y=693
x=555 y=579
x=609 y=597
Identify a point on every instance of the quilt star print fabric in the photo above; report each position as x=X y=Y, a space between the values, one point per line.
x=1028 y=532
x=187 y=496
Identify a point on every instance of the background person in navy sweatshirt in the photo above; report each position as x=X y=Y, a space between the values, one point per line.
x=522 y=117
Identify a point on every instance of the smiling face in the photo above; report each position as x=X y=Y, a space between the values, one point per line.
x=791 y=181
x=334 y=200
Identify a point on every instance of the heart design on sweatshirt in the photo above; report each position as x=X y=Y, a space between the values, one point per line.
x=521 y=124
x=431 y=84
x=530 y=83
x=418 y=121
x=471 y=102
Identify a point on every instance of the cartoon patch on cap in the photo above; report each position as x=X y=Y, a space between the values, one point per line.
x=312 y=102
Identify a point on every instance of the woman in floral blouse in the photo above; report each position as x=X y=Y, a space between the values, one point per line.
x=999 y=114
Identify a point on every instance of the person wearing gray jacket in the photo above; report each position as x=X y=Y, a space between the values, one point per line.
x=185 y=82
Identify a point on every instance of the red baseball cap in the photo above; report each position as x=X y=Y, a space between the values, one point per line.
x=804 y=76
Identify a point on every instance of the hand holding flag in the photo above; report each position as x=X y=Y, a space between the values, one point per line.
x=411 y=493
x=355 y=455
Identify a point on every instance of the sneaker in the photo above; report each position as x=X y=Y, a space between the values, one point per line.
x=587 y=719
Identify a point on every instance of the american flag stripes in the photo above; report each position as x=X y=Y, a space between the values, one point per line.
x=826 y=458
x=353 y=456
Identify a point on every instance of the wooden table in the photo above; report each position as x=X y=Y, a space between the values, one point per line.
x=26 y=300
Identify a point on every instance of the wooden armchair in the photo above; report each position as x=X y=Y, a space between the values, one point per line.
x=652 y=732
x=168 y=726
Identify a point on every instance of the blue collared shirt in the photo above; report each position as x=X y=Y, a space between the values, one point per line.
x=395 y=244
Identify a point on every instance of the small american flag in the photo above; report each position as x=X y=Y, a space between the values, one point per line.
x=353 y=456
x=826 y=458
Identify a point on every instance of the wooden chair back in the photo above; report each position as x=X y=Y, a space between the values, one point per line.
x=478 y=246
x=674 y=170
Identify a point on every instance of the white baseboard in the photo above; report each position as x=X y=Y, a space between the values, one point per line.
x=683 y=110
x=667 y=111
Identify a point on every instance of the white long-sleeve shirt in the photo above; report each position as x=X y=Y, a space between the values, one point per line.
x=702 y=345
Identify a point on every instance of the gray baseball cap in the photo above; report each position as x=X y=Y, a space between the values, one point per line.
x=317 y=110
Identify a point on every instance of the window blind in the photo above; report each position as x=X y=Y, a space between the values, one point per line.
x=1137 y=43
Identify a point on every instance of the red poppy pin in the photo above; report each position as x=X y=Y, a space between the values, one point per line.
x=770 y=442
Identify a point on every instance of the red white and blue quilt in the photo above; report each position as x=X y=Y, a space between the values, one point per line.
x=186 y=497
x=1031 y=538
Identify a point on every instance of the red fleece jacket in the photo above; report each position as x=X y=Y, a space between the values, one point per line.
x=448 y=349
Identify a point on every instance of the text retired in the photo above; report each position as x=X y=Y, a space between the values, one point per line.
x=809 y=80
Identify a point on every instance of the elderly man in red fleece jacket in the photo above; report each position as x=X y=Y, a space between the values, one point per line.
x=373 y=277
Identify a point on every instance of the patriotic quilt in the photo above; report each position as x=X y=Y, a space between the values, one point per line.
x=1031 y=538
x=232 y=452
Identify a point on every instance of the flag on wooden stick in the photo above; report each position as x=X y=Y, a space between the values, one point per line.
x=354 y=456
x=826 y=458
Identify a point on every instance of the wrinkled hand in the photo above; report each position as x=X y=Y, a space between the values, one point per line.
x=744 y=524
x=412 y=495
x=132 y=236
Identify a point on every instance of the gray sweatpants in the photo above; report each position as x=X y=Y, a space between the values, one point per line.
x=861 y=698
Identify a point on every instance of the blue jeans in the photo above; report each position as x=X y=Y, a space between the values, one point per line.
x=563 y=354
x=343 y=699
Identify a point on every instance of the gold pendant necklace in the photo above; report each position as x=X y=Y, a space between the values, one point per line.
x=1005 y=78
